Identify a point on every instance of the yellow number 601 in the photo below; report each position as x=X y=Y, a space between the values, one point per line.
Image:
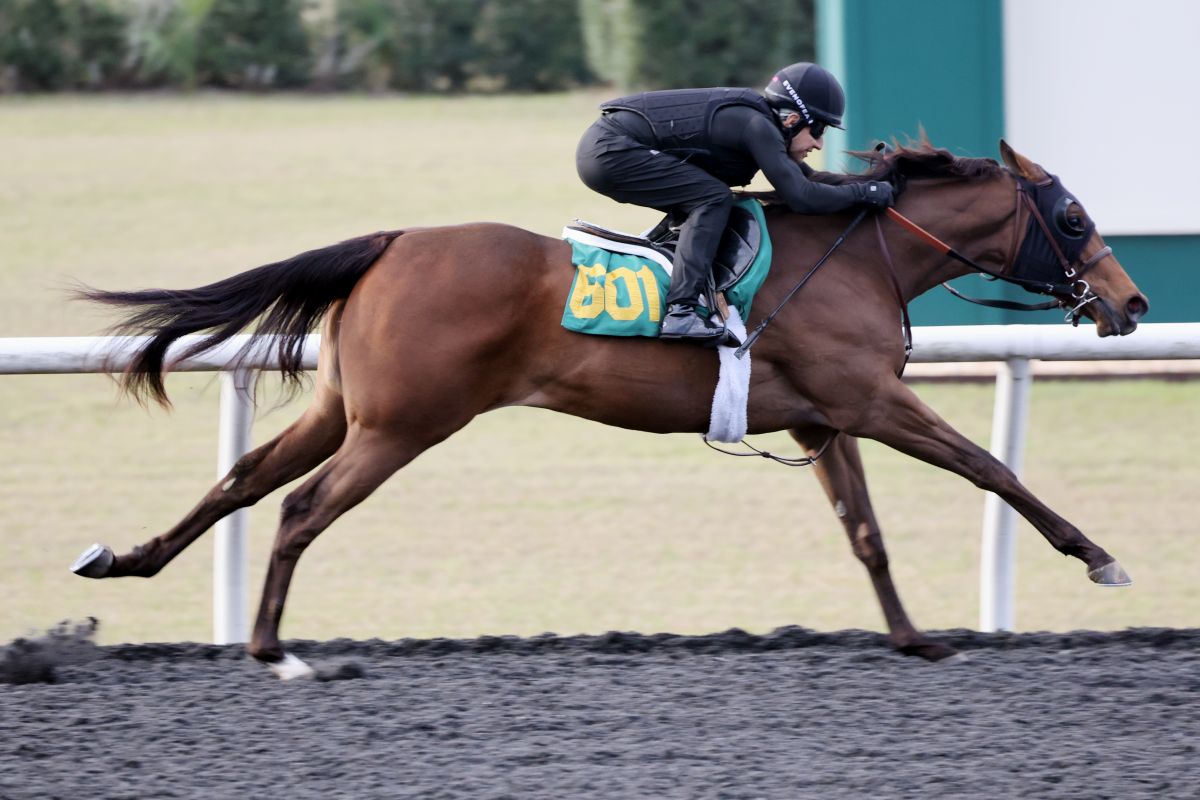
x=590 y=297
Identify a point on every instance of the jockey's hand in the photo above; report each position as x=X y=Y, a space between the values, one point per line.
x=876 y=194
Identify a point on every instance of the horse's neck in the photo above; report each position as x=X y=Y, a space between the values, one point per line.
x=975 y=218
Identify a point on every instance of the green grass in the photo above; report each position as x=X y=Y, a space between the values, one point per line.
x=526 y=521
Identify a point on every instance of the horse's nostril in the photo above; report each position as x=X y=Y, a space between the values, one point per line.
x=1137 y=307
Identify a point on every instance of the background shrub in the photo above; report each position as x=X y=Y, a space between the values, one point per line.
x=675 y=43
x=161 y=42
x=529 y=45
x=401 y=45
x=253 y=44
x=457 y=45
x=48 y=45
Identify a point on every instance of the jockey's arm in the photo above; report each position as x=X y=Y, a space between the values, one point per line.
x=829 y=178
x=764 y=142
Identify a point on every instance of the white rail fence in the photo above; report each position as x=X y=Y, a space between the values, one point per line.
x=1012 y=345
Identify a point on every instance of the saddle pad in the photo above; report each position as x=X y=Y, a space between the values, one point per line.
x=620 y=287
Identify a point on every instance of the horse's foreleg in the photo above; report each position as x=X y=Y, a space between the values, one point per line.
x=296 y=451
x=364 y=462
x=900 y=420
x=840 y=471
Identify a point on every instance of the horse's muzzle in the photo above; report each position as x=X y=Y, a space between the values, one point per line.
x=1135 y=308
x=1113 y=321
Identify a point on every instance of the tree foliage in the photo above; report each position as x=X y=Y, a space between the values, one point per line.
x=253 y=45
x=398 y=45
x=48 y=45
x=655 y=44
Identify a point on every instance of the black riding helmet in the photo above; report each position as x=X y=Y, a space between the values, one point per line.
x=808 y=90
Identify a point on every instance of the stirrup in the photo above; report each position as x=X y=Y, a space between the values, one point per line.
x=693 y=326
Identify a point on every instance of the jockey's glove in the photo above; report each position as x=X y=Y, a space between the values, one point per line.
x=876 y=194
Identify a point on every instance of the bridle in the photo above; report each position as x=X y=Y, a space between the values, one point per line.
x=1026 y=255
x=1030 y=199
x=1023 y=257
x=1073 y=268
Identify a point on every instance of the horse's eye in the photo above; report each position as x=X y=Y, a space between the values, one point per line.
x=1072 y=220
x=1076 y=220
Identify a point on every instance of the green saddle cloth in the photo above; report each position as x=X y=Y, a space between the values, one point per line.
x=620 y=289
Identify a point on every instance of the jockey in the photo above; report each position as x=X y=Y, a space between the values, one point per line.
x=680 y=151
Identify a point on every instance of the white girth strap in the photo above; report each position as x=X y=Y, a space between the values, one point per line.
x=728 y=420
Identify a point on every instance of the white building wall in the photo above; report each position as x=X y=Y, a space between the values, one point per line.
x=1106 y=94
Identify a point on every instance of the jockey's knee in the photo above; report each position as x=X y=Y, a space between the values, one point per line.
x=718 y=202
x=593 y=174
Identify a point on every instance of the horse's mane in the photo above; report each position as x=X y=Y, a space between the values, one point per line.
x=920 y=159
x=915 y=159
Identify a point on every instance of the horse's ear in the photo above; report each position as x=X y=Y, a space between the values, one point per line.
x=1020 y=164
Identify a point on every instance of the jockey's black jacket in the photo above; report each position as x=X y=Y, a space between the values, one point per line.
x=729 y=133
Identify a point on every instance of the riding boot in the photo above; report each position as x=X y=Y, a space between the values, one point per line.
x=682 y=322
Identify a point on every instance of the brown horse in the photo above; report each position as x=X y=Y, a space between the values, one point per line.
x=423 y=329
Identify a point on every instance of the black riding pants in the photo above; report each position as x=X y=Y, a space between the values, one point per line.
x=613 y=163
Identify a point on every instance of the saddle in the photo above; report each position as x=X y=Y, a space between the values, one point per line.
x=621 y=280
x=740 y=243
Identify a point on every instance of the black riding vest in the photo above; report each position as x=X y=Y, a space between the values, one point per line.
x=682 y=123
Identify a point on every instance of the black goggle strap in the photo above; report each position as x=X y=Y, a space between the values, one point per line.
x=788 y=133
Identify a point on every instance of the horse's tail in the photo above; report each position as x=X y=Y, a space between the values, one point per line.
x=288 y=298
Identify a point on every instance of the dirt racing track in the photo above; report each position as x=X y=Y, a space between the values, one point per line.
x=793 y=714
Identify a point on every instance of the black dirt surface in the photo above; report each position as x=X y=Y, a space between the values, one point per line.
x=793 y=714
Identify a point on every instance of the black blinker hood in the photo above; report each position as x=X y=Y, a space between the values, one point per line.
x=1037 y=260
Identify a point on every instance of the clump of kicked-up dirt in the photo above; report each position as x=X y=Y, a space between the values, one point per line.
x=37 y=659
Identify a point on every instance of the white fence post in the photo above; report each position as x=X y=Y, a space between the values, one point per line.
x=229 y=551
x=997 y=570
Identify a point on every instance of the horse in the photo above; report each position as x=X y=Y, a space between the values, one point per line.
x=425 y=328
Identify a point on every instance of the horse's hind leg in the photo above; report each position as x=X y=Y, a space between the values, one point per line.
x=305 y=444
x=840 y=471
x=364 y=462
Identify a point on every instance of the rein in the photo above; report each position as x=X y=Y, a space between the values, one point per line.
x=805 y=461
x=887 y=259
x=1079 y=289
x=753 y=337
x=947 y=250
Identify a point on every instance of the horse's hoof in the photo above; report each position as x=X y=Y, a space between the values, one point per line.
x=95 y=562
x=1111 y=574
x=289 y=668
x=936 y=652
